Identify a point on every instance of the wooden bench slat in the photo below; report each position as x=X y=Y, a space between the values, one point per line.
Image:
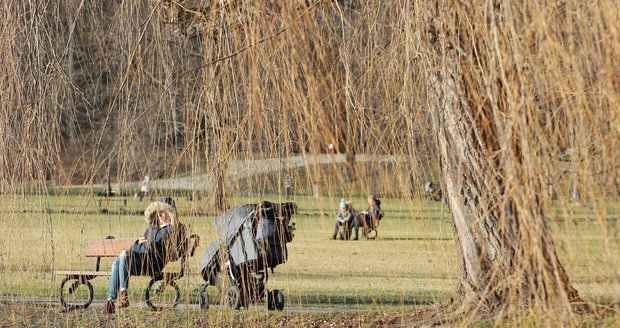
x=113 y=247
x=108 y=247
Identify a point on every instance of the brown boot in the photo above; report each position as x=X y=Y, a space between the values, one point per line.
x=123 y=299
x=108 y=308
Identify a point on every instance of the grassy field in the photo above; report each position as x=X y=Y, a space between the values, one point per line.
x=412 y=263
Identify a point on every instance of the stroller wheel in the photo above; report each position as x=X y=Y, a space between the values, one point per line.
x=275 y=300
x=233 y=297
x=203 y=297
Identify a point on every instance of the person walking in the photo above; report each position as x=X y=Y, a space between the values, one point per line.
x=144 y=187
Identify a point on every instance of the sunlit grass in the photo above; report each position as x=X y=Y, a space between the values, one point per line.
x=412 y=263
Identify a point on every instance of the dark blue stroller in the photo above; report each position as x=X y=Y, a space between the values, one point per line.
x=251 y=239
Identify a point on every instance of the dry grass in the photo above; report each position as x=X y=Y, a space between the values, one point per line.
x=93 y=92
x=412 y=264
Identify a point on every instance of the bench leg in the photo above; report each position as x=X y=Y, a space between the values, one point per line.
x=65 y=294
x=162 y=294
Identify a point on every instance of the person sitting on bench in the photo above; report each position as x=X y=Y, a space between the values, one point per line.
x=344 y=221
x=148 y=255
x=365 y=218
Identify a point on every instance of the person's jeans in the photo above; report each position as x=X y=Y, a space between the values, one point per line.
x=120 y=276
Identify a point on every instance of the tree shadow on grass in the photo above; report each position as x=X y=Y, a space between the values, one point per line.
x=364 y=302
x=413 y=238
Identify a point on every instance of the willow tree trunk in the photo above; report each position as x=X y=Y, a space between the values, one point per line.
x=507 y=256
x=493 y=185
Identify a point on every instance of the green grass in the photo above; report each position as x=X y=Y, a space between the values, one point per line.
x=413 y=262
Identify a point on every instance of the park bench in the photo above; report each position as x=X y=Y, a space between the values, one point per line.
x=108 y=200
x=111 y=247
x=105 y=204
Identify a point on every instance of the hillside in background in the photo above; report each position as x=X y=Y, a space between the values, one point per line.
x=112 y=91
x=127 y=89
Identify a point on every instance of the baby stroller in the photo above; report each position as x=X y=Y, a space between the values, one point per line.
x=251 y=239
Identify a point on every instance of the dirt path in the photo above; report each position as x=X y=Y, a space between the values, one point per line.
x=97 y=304
x=239 y=169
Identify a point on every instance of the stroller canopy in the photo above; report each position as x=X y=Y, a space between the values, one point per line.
x=250 y=233
x=229 y=224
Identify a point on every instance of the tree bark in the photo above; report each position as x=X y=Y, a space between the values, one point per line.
x=507 y=256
